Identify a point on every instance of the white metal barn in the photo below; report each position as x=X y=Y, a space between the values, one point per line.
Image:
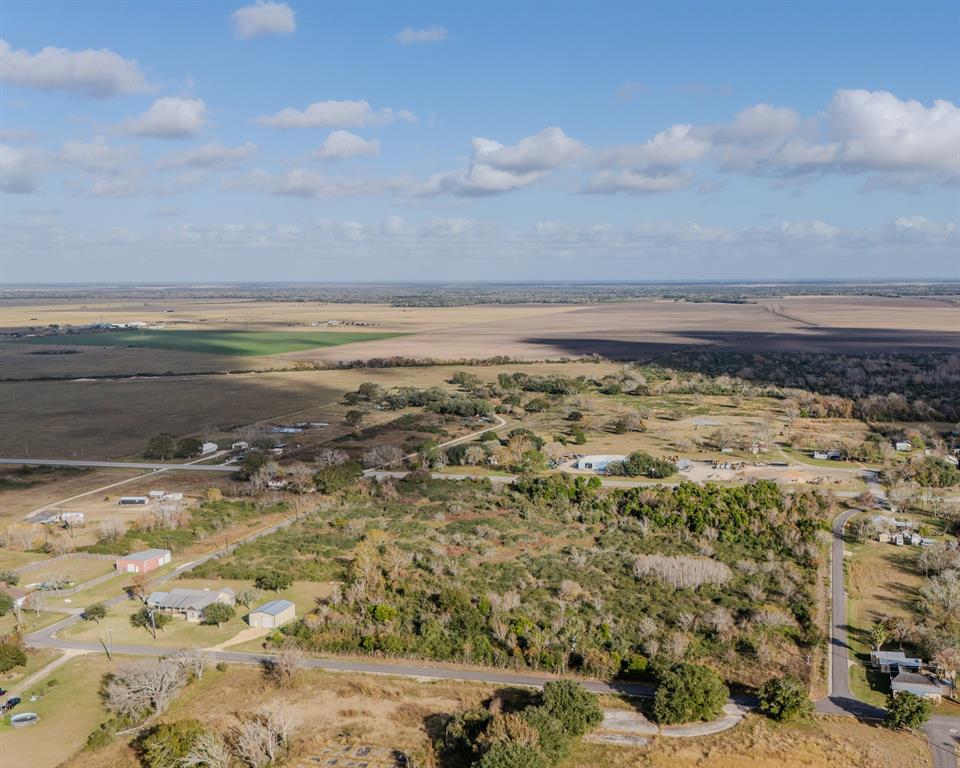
x=598 y=462
x=273 y=614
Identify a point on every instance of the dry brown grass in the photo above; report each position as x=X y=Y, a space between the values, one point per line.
x=839 y=742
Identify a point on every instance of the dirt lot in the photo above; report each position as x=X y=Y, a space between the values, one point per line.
x=333 y=711
x=650 y=329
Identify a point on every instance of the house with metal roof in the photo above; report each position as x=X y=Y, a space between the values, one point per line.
x=272 y=615
x=894 y=661
x=924 y=686
x=190 y=603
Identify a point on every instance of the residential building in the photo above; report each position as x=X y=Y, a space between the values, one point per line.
x=925 y=686
x=894 y=661
x=190 y=603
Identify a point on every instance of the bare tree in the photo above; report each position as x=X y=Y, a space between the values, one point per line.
x=136 y=690
x=284 y=668
x=264 y=739
x=191 y=661
x=208 y=751
x=474 y=455
x=681 y=572
x=382 y=456
x=331 y=457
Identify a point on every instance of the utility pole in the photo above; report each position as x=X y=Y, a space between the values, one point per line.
x=153 y=624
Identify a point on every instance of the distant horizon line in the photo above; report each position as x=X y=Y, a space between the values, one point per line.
x=441 y=283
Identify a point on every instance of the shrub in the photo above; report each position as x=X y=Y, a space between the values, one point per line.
x=6 y=604
x=506 y=754
x=11 y=653
x=906 y=711
x=166 y=745
x=553 y=740
x=160 y=446
x=785 y=699
x=336 y=477
x=572 y=704
x=687 y=693
x=188 y=448
x=634 y=667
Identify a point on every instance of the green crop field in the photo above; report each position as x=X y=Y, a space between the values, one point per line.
x=214 y=342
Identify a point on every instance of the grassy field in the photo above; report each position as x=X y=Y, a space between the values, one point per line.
x=237 y=343
x=69 y=710
x=75 y=569
x=883 y=583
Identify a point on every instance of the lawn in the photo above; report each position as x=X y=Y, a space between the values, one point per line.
x=69 y=711
x=32 y=621
x=36 y=659
x=242 y=343
x=77 y=570
x=10 y=560
x=882 y=582
x=179 y=633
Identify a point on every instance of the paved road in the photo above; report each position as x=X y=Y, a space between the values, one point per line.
x=122 y=464
x=943 y=733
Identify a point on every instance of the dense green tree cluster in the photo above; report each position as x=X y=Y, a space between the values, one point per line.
x=642 y=464
x=551 y=385
x=786 y=699
x=537 y=734
x=687 y=693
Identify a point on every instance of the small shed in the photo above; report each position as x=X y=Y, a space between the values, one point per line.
x=884 y=537
x=273 y=614
x=125 y=500
x=143 y=562
x=208 y=448
x=903 y=445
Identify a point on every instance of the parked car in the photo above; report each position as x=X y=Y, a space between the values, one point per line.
x=10 y=703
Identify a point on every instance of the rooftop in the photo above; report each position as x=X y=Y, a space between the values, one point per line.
x=146 y=554
x=274 y=607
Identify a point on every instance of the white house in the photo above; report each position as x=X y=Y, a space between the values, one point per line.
x=597 y=462
x=273 y=614
x=903 y=445
x=156 y=494
x=240 y=445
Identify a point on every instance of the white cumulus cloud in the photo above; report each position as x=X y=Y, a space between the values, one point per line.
x=170 y=118
x=99 y=74
x=333 y=113
x=19 y=167
x=434 y=34
x=341 y=145
x=636 y=182
x=263 y=18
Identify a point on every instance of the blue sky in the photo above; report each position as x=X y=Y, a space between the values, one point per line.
x=447 y=141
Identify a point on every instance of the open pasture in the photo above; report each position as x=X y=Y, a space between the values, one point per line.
x=237 y=343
